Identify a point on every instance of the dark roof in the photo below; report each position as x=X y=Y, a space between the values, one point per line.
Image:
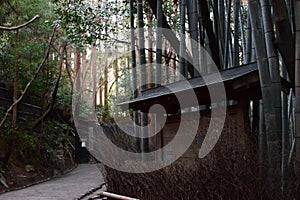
x=197 y=82
x=241 y=80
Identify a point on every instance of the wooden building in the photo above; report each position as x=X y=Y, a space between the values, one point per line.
x=241 y=85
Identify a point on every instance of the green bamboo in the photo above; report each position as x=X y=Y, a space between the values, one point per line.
x=182 y=50
x=297 y=88
x=248 y=40
x=285 y=134
x=236 y=10
x=222 y=25
x=265 y=81
x=273 y=68
x=158 y=43
x=284 y=37
x=192 y=15
x=227 y=36
x=134 y=75
x=262 y=140
x=242 y=33
x=143 y=79
x=275 y=81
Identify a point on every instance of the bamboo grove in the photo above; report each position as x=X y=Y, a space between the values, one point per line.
x=233 y=32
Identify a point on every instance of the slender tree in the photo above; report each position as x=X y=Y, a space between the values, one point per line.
x=192 y=16
x=182 y=49
x=273 y=145
x=207 y=24
x=297 y=88
x=236 y=10
x=134 y=74
x=16 y=82
x=150 y=47
x=273 y=68
x=284 y=36
x=158 y=42
x=227 y=36
x=222 y=24
x=241 y=23
x=248 y=40
x=285 y=134
x=142 y=63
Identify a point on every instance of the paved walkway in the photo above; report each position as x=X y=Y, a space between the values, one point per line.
x=68 y=187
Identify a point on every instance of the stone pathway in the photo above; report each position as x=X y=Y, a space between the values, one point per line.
x=68 y=187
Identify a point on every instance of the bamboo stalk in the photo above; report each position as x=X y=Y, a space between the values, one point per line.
x=265 y=81
x=134 y=75
x=158 y=43
x=285 y=133
x=248 y=40
x=227 y=36
x=192 y=14
x=297 y=88
x=275 y=80
x=222 y=24
x=236 y=10
x=142 y=63
x=182 y=49
x=242 y=33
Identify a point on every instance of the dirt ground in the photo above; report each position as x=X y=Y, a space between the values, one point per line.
x=17 y=176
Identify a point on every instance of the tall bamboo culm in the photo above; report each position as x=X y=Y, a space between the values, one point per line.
x=134 y=75
x=182 y=48
x=274 y=74
x=143 y=78
x=297 y=88
x=266 y=89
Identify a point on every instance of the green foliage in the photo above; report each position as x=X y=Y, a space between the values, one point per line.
x=28 y=50
x=30 y=45
x=84 y=23
x=64 y=95
x=25 y=146
x=55 y=138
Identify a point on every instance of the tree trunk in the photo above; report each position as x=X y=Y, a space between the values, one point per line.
x=236 y=10
x=15 y=98
x=262 y=140
x=158 y=43
x=285 y=135
x=207 y=24
x=227 y=36
x=134 y=76
x=248 y=40
x=182 y=50
x=265 y=81
x=274 y=71
x=53 y=96
x=78 y=79
x=242 y=34
x=150 y=47
x=222 y=30
x=284 y=37
x=297 y=88
x=192 y=16
x=170 y=35
x=142 y=63
x=16 y=83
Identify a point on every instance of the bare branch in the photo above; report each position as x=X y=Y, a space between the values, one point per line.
x=4 y=28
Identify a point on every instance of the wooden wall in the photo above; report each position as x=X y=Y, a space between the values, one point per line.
x=233 y=136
